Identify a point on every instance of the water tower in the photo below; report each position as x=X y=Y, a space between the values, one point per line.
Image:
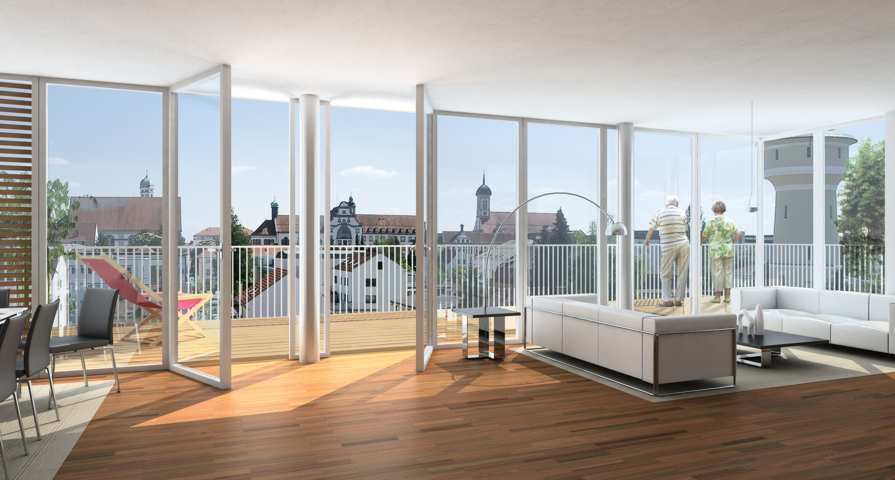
x=789 y=166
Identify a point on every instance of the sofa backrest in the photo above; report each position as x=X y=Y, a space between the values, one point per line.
x=749 y=297
x=846 y=304
x=879 y=307
x=802 y=299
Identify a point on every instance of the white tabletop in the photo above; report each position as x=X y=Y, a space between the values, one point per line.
x=9 y=312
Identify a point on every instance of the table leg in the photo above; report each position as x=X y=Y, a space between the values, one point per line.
x=767 y=356
x=484 y=335
x=465 y=330
x=499 y=338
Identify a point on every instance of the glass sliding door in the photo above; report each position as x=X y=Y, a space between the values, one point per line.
x=729 y=225
x=476 y=191
x=372 y=223
x=203 y=306
x=563 y=231
x=661 y=221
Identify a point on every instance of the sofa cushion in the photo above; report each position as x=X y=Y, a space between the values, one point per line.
x=868 y=335
x=547 y=304
x=834 y=319
x=749 y=298
x=879 y=307
x=846 y=304
x=808 y=326
x=623 y=318
x=802 y=299
x=773 y=318
x=580 y=310
x=689 y=323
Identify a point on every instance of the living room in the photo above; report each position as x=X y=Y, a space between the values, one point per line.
x=596 y=237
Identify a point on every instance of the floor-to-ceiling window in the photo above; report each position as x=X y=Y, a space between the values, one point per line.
x=661 y=207
x=260 y=223
x=372 y=224
x=729 y=224
x=477 y=175
x=789 y=210
x=854 y=206
x=105 y=212
x=563 y=231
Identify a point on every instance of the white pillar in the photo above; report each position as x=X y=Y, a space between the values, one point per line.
x=889 y=225
x=309 y=235
x=625 y=256
x=602 y=240
x=758 y=158
x=522 y=218
x=292 y=249
x=818 y=209
x=695 y=277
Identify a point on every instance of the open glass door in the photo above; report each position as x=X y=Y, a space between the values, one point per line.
x=424 y=285
x=199 y=175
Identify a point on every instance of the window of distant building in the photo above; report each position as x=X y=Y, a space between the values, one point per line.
x=370 y=299
x=371 y=282
x=379 y=265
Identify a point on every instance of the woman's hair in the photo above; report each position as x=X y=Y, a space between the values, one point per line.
x=718 y=208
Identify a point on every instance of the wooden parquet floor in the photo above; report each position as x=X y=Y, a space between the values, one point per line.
x=370 y=416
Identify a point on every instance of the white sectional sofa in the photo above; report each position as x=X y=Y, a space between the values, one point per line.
x=657 y=350
x=858 y=320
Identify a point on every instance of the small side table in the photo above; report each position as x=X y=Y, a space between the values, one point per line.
x=485 y=317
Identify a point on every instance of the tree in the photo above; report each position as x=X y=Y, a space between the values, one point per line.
x=243 y=273
x=863 y=208
x=60 y=220
x=861 y=200
x=145 y=238
x=560 y=234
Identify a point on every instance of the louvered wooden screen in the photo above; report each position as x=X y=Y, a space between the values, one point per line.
x=16 y=137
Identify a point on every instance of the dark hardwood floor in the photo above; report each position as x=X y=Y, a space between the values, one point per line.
x=371 y=416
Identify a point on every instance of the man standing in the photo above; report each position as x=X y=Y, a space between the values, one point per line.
x=671 y=222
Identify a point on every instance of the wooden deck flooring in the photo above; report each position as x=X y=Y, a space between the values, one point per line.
x=266 y=338
x=370 y=416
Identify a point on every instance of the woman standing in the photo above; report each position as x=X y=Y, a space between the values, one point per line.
x=721 y=233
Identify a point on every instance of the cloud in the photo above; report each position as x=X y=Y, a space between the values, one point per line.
x=243 y=168
x=58 y=161
x=368 y=171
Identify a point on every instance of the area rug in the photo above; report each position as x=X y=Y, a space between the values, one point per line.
x=77 y=406
x=800 y=365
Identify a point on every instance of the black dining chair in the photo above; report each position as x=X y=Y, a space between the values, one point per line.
x=4 y=298
x=10 y=332
x=36 y=358
x=94 y=329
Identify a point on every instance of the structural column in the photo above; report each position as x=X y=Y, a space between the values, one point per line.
x=818 y=209
x=625 y=257
x=309 y=235
x=889 y=225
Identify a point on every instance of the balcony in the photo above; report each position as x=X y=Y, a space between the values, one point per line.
x=372 y=303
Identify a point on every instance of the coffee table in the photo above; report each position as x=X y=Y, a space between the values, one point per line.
x=770 y=345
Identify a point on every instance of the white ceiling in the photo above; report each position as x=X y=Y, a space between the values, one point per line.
x=679 y=64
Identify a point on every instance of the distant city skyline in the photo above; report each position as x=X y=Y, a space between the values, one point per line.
x=102 y=142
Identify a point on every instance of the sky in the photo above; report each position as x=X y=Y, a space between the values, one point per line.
x=104 y=141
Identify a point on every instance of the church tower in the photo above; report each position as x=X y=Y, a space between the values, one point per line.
x=146 y=189
x=483 y=205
